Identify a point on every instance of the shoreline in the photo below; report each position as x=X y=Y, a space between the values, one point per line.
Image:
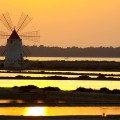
x=70 y=117
x=65 y=65
x=56 y=77
x=60 y=75
x=59 y=104
x=48 y=97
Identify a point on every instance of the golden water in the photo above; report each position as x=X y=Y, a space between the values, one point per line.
x=56 y=111
x=69 y=58
x=62 y=84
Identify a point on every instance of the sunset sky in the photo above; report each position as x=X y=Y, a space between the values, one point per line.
x=67 y=23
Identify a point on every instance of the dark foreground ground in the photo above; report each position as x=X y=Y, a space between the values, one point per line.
x=57 y=98
x=52 y=98
x=77 y=65
x=109 y=117
x=66 y=65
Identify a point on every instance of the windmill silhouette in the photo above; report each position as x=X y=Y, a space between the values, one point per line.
x=14 y=50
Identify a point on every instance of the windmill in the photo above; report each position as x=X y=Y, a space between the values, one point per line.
x=14 y=47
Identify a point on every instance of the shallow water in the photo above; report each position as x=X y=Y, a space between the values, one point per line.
x=10 y=101
x=55 y=111
x=63 y=84
x=34 y=75
x=72 y=58
x=69 y=58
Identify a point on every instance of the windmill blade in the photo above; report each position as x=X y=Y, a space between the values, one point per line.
x=23 y=22
x=33 y=36
x=6 y=20
x=3 y=35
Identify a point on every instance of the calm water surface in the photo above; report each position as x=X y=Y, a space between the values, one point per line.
x=63 y=84
x=70 y=58
x=73 y=58
x=59 y=73
x=55 y=111
x=34 y=75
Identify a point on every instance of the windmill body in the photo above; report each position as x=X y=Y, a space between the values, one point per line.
x=14 y=50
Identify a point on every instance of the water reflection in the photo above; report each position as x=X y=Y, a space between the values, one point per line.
x=73 y=59
x=58 y=111
x=51 y=111
x=52 y=72
x=10 y=101
x=63 y=84
x=34 y=111
x=69 y=58
x=33 y=75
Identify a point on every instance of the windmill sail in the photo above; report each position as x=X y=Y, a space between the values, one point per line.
x=33 y=36
x=23 y=22
x=3 y=35
x=6 y=20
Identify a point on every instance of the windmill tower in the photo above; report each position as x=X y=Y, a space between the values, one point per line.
x=14 y=50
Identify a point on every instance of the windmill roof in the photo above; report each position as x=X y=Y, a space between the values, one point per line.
x=14 y=35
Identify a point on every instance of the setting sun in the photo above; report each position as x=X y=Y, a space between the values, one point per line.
x=35 y=111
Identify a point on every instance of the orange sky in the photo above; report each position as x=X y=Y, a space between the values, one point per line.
x=67 y=23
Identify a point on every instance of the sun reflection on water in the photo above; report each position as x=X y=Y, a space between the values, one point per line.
x=35 y=111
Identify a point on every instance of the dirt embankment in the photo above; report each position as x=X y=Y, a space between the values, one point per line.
x=67 y=65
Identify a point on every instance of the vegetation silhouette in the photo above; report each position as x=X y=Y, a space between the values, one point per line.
x=103 y=90
x=51 y=89
x=25 y=88
x=43 y=51
x=60 y=77
x=50 y=95
x=29 y=88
